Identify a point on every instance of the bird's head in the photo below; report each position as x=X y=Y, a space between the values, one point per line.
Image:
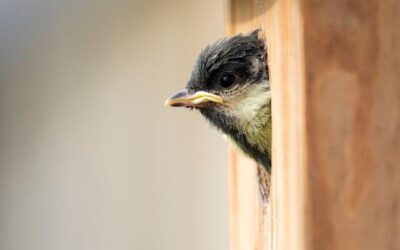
x=229 y=82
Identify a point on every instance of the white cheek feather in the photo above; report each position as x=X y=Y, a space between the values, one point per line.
x=247 y=106
x=251 y=114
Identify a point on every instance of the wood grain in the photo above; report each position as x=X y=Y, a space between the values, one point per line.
x=249 y=221
x=336 y=113
x=352 y=69
x=335 y=75
x=286 y=60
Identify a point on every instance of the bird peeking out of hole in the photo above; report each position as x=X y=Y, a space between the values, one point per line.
x=230 y=87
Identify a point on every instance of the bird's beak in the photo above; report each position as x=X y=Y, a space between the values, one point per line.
x=198 y=99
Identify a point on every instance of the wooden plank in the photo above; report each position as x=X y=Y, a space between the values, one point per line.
x=248 y=226
x=286 y=60
x=335 y=68
x=249 y=223
x=353 y=123
x=335 y=72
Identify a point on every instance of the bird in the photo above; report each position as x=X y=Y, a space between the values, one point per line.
x=229 y=85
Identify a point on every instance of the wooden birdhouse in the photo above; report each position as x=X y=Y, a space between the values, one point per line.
x=335 y=80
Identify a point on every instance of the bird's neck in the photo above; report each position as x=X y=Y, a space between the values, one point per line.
x=251 y=116
x=248 y=125
x=255 y=138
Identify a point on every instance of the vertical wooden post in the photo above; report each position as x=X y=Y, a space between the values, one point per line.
x=335 y=73
x=336 y=112
x=249 y=216
x=286 y=60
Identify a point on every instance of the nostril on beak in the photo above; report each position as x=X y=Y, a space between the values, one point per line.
x=178 y=99
x=179 y=94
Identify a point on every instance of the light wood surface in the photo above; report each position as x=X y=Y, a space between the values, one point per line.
x=286 y=60
x=352 y=75
x=335 y=72
x=250 y=223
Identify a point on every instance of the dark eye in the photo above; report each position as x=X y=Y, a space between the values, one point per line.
x=227 y=80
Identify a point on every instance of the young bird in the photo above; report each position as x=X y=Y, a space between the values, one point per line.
x=230 y=87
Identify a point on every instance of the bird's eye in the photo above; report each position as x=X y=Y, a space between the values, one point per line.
x=227 y=80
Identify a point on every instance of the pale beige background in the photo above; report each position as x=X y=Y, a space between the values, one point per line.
x=90 y=158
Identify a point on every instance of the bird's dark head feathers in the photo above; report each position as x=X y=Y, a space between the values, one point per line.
x=240 y=55
x=229 y=85
x=234 y=68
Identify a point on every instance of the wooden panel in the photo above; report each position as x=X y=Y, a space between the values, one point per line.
x=335 y=72
x=352 y=58
x=286 y=60
x=249 y=223
x=336 y=113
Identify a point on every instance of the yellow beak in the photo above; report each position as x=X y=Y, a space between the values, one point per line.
x=198 y=99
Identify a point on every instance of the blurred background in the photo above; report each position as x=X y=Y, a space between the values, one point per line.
x=89 y=156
